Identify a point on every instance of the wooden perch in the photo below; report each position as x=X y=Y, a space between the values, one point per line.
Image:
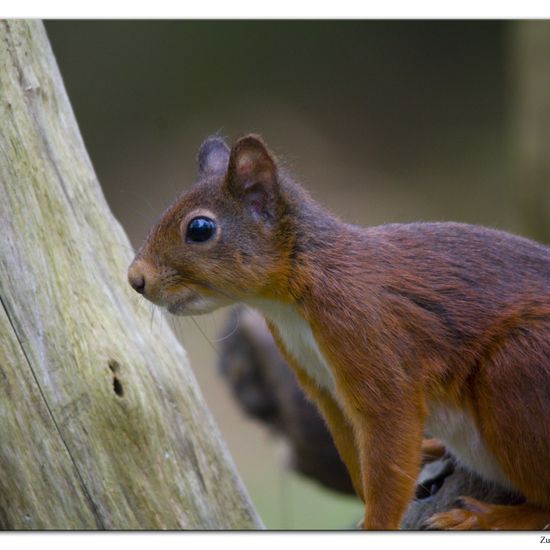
x=102 y=425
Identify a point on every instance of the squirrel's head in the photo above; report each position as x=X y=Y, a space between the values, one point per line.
x=224 y=240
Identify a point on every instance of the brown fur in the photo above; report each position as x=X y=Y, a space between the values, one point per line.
x=407 y=315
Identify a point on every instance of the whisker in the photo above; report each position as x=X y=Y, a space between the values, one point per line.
x=214 y=321
x=172 y=322
x=205 y=336
x=179 y=323
x=233 y=330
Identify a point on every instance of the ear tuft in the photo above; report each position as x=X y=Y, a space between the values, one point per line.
x=251 y=160
x=252 y=175
x=213 y=156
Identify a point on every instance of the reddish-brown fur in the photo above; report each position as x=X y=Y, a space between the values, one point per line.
x=407 y=316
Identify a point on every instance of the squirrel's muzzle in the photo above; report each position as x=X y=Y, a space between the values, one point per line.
x=137 y=282
x=140 y=277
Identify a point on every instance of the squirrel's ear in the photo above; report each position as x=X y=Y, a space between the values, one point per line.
x=213 y=156
x=252 y=176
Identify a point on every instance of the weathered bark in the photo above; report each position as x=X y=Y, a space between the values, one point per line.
x=101 y=422
x=262 y=384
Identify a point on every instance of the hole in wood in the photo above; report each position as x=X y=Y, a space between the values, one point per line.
x=117 y=386
x=114 y=366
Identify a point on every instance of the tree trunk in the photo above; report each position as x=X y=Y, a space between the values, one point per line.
x=102 y=425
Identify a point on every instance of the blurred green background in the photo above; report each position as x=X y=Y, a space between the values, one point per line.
x=382 y=120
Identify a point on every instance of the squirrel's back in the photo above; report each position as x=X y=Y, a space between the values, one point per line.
x=479 y=270
x=452 y=261
x=479 y=248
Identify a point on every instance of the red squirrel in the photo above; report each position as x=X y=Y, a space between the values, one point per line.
x=392 y=331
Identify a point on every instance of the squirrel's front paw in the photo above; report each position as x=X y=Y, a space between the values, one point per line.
x=466 y=518
x=474 y=515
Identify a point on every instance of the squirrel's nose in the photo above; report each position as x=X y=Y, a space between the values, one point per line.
x=136 y=278
x=138 y=283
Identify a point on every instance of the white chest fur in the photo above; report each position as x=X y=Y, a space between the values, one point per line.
x=298 y=340
x=461 y=436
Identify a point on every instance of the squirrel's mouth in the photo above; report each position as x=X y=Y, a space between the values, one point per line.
x=194 y=304
x=181 y=305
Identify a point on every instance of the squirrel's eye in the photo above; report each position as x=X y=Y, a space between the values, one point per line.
x=200 y=229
